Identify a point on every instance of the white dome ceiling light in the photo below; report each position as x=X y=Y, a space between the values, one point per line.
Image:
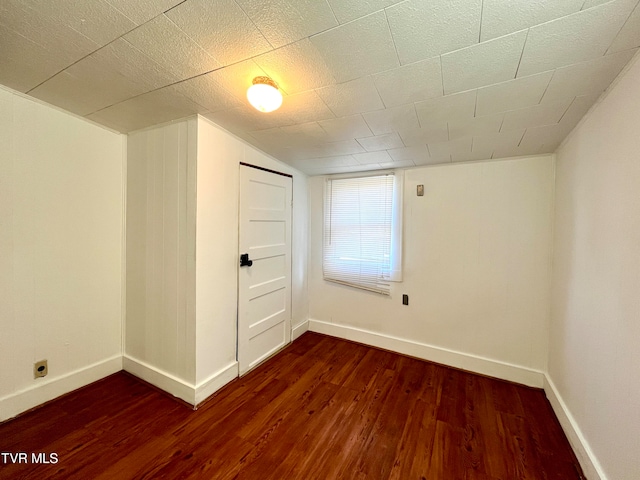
x=264 y=94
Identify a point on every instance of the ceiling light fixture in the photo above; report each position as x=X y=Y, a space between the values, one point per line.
x=264 y=94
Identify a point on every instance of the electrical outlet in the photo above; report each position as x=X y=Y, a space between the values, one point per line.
x=405 y=299
x=40 y=369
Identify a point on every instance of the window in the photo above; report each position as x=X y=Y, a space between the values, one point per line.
x=362 y=231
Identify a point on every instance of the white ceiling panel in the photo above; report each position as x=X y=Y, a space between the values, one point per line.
x=442 y=109
x=376 y=143
x=347 y=10
x=333 y=170
x=146 y=110
x=217 y=26
x=543 y=114
x=285 y=21
x=410 y=83
x=417 y=82
x=433 y=132
x=245 y=119
x=297 y=67
x=578 y=108
x=497 y=145
x=401 y=164
x=305 y=134
x=486 y=125
x=418 y=154
x=141 y=12
x=372 y=157
x=366 y=47
x=543 y=139
x=337 y=161
x=206 y=91
x=237 y=78
x=629 y=36
x=310 y=131
x=36 y=47
x=344 y=128
x=94 y=19
x=110 y=75
x=330 y=149
x=356 y=96
x=501 y=17
x=393 y=119
x=427 y=29
x=512 y=95
x=574 y=38
x=483 y=64
x=443 y=152
x=303 y=107
x=162 y=41
x=585 y=78
x=25 y=64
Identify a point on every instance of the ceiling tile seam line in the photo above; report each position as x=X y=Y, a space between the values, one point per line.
x=367 y=123
x=415 y=110
x=621 y=28
x=254 y=24
x=523 y=134
x=553 y=74
x=481 y=14
x=343 y=24
x=177 y=5
x=442 y=76
x=192 y=40
x=567 y=109
x=335 y=17
x=524 y=45
x=393 y=40
x=100 y=47
x=502 y=123
x=475 y=105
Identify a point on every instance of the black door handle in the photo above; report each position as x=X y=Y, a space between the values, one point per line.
x=244 y=260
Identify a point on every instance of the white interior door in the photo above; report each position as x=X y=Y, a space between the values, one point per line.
x=264 y=284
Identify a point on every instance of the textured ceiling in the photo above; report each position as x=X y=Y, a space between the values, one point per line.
x=367 y=83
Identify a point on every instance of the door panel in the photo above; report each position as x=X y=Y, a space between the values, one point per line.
x=264 y=288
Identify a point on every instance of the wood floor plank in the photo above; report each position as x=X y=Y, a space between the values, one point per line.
x=323 y=408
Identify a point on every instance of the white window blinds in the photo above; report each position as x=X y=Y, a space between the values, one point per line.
x=362 y=245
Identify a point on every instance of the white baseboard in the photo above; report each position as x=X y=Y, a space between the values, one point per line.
x=588 y=461
x=465 y=361
x=161 y=379
x=299 y=329
x=215 y=382
x=178 y=387
x=46 y=389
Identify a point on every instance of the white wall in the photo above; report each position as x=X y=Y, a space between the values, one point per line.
x=476 y=269
x=182 y=254
x=61 y=231
x=594 y=360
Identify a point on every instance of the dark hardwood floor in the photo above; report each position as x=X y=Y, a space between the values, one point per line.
x=321 y=409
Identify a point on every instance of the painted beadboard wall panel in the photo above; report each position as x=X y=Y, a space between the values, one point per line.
x=594 y=358
x=477 y=252
x=61 y=220
x=160 y=328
